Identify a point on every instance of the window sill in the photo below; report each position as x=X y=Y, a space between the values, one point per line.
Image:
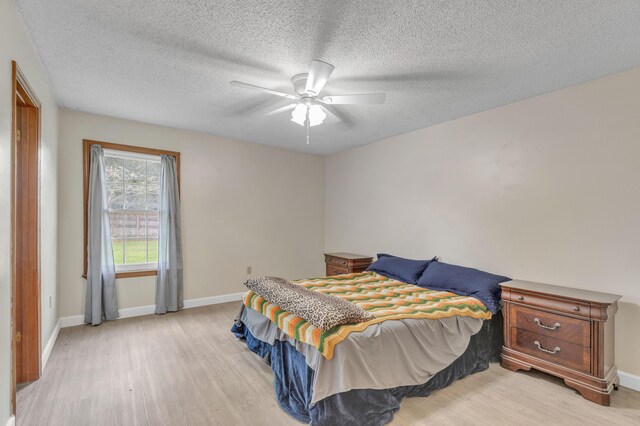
x=132 y=274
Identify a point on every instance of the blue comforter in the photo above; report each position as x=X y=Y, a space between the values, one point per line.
x=293 y=380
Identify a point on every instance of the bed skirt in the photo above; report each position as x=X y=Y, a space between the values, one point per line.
x=293 y=380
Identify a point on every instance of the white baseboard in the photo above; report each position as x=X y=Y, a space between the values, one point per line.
x=49 y=347
x=150 y=309
x=71 y=321
x=214 y=300
x=629 y=380
x=11 y=421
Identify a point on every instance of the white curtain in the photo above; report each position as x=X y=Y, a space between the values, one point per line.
x=101 y=301
x=169 y=279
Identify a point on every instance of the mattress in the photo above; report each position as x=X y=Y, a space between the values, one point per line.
x=384 y=298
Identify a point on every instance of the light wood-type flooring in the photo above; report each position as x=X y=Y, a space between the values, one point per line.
x=187 y=368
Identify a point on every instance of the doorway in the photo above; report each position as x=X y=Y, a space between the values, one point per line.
x=25 y=238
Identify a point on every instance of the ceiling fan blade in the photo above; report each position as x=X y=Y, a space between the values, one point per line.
x=333 y=117
x=262 y=89
x=337 y=116
x=365 y=98
x=318 y=76
x=282 y=109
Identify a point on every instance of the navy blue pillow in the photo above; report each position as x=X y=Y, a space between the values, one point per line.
x=464 y=281
x=399 y=268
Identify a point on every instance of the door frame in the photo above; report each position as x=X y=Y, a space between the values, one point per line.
x=23 y=92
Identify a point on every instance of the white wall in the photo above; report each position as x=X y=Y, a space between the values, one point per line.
x=14 y=45
x=242 y=204
x=546 y=189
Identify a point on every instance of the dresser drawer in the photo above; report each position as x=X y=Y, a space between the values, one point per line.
x=554 y=350
x=564 y=306
x=336 y=270
x=337 y=261
x=572 y=330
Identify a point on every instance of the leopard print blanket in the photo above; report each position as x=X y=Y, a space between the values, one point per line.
x=322 y=310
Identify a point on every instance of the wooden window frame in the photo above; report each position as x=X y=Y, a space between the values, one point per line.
x=86 y=154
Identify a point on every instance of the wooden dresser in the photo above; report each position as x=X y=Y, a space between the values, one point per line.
x=345 y=263
x=562 y=331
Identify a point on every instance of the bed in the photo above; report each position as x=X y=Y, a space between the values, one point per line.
x=418 y=341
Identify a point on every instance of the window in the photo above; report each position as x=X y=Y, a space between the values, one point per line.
x=133 y=188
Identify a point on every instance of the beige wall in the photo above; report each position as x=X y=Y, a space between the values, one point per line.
x=242 y=204
x=14 y=45
x=546 y=189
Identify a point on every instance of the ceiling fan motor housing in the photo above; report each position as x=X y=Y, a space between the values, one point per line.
x=299 y=82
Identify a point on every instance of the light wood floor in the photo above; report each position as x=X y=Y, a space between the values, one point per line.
x=188 y=369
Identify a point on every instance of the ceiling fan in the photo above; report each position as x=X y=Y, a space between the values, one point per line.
x=309 y=109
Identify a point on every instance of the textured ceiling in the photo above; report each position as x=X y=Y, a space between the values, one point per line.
x=169 y=62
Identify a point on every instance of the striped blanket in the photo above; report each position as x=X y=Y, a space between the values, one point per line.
x=385 y=298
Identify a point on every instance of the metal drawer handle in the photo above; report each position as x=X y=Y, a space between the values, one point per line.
x=555 y=350
x=552 y=327
x=520 y=297
x=576 y=309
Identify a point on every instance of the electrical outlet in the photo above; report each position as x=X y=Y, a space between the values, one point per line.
x=249 y=270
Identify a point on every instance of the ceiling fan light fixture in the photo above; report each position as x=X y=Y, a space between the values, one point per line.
x=316 y=115
x=299 y=114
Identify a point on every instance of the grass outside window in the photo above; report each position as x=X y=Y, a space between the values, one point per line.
x=127 y=252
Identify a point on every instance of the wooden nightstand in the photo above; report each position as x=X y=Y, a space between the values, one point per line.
x=562 y=331
x=345 y=263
